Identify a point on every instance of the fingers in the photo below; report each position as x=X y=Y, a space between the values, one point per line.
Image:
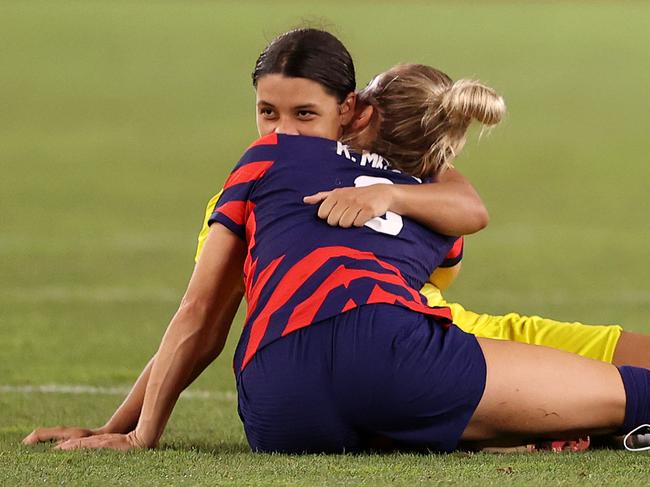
x=75 y=438
x=348 y=217
x=342 y=215
x=326 y=207
x=68 y=444
x=44 y=434
x=363 y=217
x=334 y=214
x=347 y=207
x=110 y=441
x=316 y=198
x=334 y=206
x=55 y=434
x=31 y=439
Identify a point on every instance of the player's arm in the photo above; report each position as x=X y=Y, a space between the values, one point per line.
x=127 y=414
x=443 y=277
x=450 y=206
x=183 y=352
x=194 y=338
x=448 y=270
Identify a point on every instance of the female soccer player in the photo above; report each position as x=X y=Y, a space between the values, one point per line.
x=451 y=206
x=338 y=345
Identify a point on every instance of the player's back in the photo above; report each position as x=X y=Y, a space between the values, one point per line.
x=302 y=166
x=299 y=269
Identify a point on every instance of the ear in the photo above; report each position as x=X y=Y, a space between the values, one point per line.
x=347 y=108
x=362 y=118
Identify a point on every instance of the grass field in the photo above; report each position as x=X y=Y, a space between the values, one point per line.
x=119 y=119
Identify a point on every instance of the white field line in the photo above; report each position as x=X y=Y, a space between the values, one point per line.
x=80 y=389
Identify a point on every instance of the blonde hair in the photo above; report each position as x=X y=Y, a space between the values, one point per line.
x=421 y=116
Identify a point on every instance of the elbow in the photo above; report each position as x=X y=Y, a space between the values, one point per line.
x=191 y=309
x=475 y=218
x=194 y=327
x=482 y=218
x=477 y=215
x=209 y=323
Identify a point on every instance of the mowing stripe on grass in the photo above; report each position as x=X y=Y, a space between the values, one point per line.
x=103 y=294
x=83 y=389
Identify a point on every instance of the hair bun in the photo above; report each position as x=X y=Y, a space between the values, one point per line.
x=471 y=100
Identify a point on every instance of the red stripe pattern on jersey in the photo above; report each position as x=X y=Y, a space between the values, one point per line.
x=455 y=255
x=298 y=270
x=304 y=313
x=249 y=172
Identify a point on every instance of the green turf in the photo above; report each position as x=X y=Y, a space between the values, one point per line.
x=119 y=119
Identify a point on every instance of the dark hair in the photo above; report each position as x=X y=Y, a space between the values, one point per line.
x=309 y=53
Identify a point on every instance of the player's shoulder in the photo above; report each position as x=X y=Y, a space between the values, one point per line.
x=283 y=145
x=265 y=141
x=292 y=142
x=263 y=149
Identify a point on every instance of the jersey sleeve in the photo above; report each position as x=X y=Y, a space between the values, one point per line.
x=234 y=205
x=455 y=255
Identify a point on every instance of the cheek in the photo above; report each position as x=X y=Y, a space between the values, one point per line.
x=263 y=126
x=329 y=127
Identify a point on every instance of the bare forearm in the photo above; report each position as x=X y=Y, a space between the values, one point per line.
x=177 y=361
x=197 y=332
x=126 y=417
x=451 y=208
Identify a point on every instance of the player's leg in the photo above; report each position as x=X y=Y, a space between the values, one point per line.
x=600 y=342
x=607 y=343
x=633 y=349
x=537 y=392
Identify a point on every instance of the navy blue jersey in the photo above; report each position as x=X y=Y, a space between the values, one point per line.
x=298 y=269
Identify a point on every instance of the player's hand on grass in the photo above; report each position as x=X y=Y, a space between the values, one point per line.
x=112 y=441
x=58 y=433
x=347 y=207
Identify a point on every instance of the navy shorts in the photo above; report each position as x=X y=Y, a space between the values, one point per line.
x=377 y=371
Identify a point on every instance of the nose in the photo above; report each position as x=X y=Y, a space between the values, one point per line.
x=286 y=127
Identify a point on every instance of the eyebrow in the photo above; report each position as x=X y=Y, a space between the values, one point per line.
x=307 y=106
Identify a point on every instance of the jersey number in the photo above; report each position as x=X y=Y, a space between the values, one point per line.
x=391 y=223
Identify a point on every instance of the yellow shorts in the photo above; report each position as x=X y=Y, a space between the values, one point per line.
x=592 y=341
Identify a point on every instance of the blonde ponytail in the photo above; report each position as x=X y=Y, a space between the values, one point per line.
x=421 y=116
x=471 y=100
